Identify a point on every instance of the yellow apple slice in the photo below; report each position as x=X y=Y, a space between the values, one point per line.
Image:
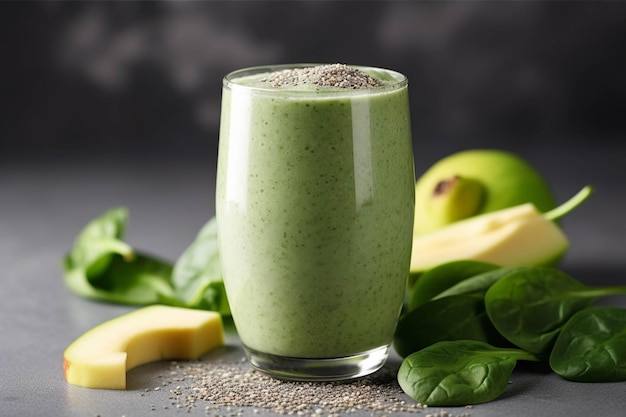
x=101 y=356
x=515 y=236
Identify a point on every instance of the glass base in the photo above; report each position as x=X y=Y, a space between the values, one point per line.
x=319 y=369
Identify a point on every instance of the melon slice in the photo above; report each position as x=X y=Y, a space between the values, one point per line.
x=101 y=357
x=515 y=236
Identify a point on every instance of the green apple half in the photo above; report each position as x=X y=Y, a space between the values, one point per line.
x=474 y=182
x=101 y=356
x=516 y=236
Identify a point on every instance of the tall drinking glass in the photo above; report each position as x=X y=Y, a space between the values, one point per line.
x=315 y=203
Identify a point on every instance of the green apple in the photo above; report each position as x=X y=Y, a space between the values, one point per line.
x=474 y=182
x=101 y=356
x=515 y=236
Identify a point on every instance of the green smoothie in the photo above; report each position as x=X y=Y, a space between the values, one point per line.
x=315 y=202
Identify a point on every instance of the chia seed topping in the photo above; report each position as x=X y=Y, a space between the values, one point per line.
x=228 y=388
x=330 y=75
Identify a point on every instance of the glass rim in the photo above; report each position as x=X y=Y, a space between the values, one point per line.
x=399 y=81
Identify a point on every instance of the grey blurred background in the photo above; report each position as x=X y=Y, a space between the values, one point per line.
x=117 y=103
x=83 y=79
x=95 y=95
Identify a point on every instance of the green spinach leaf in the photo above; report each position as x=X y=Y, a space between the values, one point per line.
x=457 y=373
x=529 y=306
x=457 y=317
x=197 y=275
x=143 y=280
x=591 y=346
x=442 y=277
x=101 y=266
x=477 y=284
x=99 y=241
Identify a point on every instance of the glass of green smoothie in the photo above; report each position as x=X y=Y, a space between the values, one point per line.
x=314 y=204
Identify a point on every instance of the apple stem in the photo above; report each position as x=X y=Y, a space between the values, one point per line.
x=560 y=211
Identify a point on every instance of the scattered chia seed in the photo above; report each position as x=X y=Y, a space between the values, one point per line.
x=444 y=413
x=236 y=388
x=331 y=75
